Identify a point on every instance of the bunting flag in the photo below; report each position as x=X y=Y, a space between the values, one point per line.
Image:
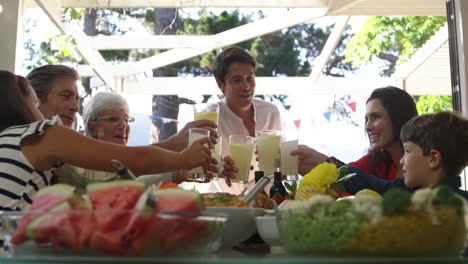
x=352 y=105
x=297 y=123
x=327 y=116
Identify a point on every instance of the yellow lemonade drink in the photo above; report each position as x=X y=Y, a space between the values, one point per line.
x=242 y=156
x=268 y=152
x=289 y=164
x=212 y=116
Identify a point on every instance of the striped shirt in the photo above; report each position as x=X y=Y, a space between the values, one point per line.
x=19 y=180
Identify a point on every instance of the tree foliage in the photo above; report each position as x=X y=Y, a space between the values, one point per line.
x=392 y=39
x=430 y=104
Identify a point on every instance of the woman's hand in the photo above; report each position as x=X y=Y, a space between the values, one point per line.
x=183 y=135
x=198 y=154
x=229 y=170
x=308 y=158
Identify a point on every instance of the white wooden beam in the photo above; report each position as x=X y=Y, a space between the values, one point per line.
x=229 y=37
x=186 y=86
x=91 y=55
x=388 y=7
x=185 y=3
x=11 y=30
x=330 y=46
x=122 y=42
x=423 y=54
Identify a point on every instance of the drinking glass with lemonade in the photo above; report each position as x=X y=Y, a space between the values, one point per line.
x=268 y=143
x=197 y=173
x=209 y=111
x=241 y=151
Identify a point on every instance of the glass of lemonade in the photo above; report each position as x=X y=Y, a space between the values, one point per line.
x=217 y=155
x=209 y=111
x=289 y=164
x=206 y=111
x=241 y=151
x=197 y=173
x=268 y=143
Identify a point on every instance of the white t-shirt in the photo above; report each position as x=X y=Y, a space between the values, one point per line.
x=266 y=116
x=19 y=180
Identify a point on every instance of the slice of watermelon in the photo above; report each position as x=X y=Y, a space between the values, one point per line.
x=137 y=227
x=179 y=200
x=46 y=199
x=83 y=220
x=171 y=229
x=109 y=199
x=107 y=242
x=56 y=226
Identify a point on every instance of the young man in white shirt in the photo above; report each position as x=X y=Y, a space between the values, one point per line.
x=239 y=112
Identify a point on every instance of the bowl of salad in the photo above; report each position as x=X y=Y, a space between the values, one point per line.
x=427 y=223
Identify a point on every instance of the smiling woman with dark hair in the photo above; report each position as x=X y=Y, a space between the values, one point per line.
x=387 y=110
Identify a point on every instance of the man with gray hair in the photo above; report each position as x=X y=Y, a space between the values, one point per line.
x=56 y=86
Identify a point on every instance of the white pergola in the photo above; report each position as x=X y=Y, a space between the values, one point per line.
x=431 y=60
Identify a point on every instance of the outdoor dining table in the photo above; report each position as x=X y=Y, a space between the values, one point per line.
x=231 y=257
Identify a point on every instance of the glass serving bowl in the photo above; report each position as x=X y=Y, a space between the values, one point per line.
x=331 y=229
x=109 y=233
x=240 y=223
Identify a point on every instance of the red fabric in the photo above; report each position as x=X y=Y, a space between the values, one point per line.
x=380 y=171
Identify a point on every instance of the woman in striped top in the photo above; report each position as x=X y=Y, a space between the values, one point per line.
x=31 y=147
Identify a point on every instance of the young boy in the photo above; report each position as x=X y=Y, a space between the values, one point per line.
x=436 y=152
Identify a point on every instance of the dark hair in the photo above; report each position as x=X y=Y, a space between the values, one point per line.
x=445 y=132
x=229 y=56
x=42 y=78
x=13 y=109
x=401 y=108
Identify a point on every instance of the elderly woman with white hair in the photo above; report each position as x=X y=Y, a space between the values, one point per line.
x=106 y=117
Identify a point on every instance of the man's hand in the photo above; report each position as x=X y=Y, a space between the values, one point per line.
x=229 y=170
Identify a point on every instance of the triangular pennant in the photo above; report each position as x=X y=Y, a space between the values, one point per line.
x=327 y=116
x=297 y=123
x=352 y=105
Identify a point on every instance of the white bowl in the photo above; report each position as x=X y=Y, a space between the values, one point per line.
x=240 y=224
x=267 y=227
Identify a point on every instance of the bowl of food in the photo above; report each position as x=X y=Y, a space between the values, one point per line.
x=113 y=233
x=267 y=228
x=240 y=224
x=424 y=224
x=143 y=222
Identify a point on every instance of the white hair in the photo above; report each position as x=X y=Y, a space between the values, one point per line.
x=99 y=103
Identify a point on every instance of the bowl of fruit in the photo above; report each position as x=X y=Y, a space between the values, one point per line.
x=143 y=222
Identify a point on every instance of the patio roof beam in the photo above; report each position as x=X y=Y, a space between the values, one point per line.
x=91 y=55
x=423 y=53
x=329 y=47
x=191 y=3
x=125 y=42
x=229 y=37
x=388 y=7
